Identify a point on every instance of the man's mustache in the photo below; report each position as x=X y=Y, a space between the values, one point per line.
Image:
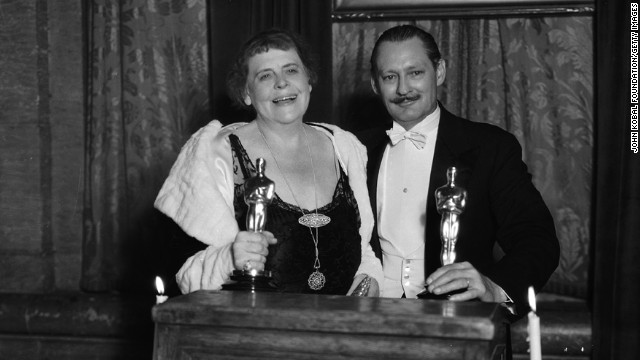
x=406 y=98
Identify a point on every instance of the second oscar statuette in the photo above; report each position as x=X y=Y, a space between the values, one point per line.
x=451 y=201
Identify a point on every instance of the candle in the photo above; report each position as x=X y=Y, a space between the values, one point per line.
x=160 y=297
x=535 y=351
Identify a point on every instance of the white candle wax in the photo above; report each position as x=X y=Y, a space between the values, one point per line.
x=535 y=350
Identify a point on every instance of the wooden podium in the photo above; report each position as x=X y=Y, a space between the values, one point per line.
x=239 y=325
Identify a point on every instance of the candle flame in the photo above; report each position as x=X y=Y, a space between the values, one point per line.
x=159 y=285
x=532 y=299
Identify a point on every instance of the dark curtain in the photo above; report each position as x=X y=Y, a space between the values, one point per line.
x=616 y=314
x=234 y=22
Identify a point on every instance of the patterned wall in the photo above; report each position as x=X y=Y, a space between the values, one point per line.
x=149 y=90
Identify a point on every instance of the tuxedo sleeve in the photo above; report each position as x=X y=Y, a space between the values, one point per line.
x=525 y=228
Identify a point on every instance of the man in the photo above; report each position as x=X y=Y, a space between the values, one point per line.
x=405 y=169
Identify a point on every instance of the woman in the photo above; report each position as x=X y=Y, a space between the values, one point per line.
x=318 y=169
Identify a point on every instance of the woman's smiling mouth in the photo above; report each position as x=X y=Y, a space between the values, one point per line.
x=285 y=99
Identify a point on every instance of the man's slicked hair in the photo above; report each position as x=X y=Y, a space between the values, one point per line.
x=402 y=33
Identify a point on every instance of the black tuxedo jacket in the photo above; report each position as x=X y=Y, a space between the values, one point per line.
x=502 y=207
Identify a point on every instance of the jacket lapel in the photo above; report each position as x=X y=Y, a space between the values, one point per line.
x=454 y=147
x=375 y=153
x=373 y=170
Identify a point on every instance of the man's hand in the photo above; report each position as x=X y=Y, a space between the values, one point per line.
x=464 y=276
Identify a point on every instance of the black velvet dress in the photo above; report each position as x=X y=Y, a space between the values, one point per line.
x=292 y=259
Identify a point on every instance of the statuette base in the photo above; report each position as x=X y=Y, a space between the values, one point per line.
x=250 y=281
x=426 y=295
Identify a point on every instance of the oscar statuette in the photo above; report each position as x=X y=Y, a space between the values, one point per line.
x=258 y=193
x=450 y=202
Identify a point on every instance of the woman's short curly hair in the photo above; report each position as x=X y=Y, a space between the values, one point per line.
x=262 y=42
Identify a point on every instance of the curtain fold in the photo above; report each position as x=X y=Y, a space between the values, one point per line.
x=147 y=83
x=615 y=292
x=530 y=76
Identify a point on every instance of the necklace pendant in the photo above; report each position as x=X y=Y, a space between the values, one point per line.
x=314 y=220
x=316 y=280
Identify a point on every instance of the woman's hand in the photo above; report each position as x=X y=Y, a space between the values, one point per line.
x=250 y=249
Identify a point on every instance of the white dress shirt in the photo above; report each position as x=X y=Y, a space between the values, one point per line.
x=402 y=193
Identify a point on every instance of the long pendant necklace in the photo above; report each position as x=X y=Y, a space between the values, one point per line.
x=314 y=220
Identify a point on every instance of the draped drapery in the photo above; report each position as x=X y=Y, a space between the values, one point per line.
x=530 y=76
x=616 y=315
x=147 y=81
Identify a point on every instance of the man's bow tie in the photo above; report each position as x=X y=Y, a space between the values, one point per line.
x=418 y=139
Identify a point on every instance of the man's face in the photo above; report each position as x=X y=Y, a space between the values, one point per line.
x=407 y=81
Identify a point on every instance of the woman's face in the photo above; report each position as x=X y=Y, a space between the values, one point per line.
x=278 y=86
